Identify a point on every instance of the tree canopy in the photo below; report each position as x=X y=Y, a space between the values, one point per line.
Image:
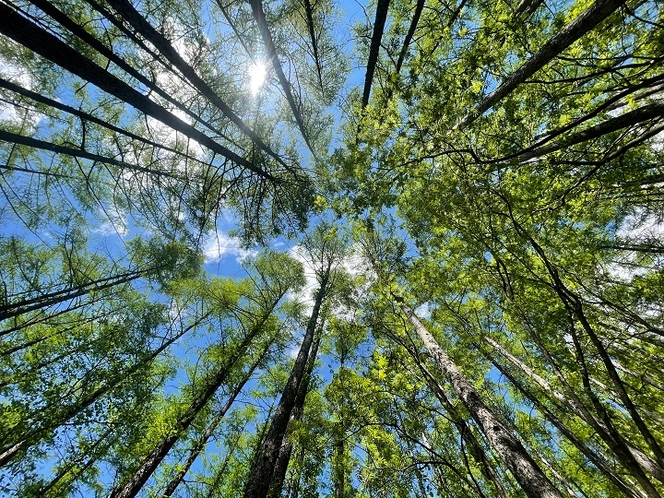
x=401 y=248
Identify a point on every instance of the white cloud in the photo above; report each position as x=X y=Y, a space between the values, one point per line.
x=115 y=224
x=641 y=225
x=423 y=311
x=20 y=76
x=306 y=294
x=636 y=228
x=219 y=245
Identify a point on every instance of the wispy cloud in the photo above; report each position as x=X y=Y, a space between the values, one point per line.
x=220 y=245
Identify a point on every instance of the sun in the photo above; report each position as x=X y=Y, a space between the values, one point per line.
x=257 y=75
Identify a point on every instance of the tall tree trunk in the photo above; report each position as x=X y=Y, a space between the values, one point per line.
x=419 y=7
x=379 y=26
x=28 y=34
x=586 y=21
x=598 y=460
x=151 y=462
x=202 y=441
x=17 y=308
x=7 y=136
x=629 y=456
x=474 y=446
x=86 y=117
x=630 y=118
x=281 y=465
x=527 y=473
x=262 y=468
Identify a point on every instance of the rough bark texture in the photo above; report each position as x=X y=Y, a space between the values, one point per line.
x=587 y=21
x=597 y=459
x=281 y=465
x=527 y=473
x=262 y=468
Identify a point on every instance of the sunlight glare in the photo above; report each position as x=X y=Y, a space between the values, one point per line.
x=257 y=76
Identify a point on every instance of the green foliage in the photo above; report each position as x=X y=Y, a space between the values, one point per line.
x=524 y=230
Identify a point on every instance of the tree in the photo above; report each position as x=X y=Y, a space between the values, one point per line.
x=482 y=250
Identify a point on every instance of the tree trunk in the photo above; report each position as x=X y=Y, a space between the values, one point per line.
x=527 y=473
x=49 y=299
x=281 y=465
x=598 y=460
x=28 y=34
x=376 y=37
x=629 y=456
x=262 y=468
x=586 y=21
x=631 y=118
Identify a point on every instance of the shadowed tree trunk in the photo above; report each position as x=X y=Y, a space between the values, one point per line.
x=376 y=37
x=202 y=441
x=281 y=465
x=263 y=466
x=128 y=12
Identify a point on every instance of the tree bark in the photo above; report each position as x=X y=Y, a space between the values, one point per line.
x=281 y=465
x=376 y=37
x=202 y=441
x=262 y=468
x=527 y=473
x=598 y=460
x=633 y=459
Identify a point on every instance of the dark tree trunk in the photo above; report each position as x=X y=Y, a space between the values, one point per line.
x=281 y=465
x=129 y=13
x=409 y=36
x=376 y=37
x=262 y=468
x=202 y=441
x=49 y=299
